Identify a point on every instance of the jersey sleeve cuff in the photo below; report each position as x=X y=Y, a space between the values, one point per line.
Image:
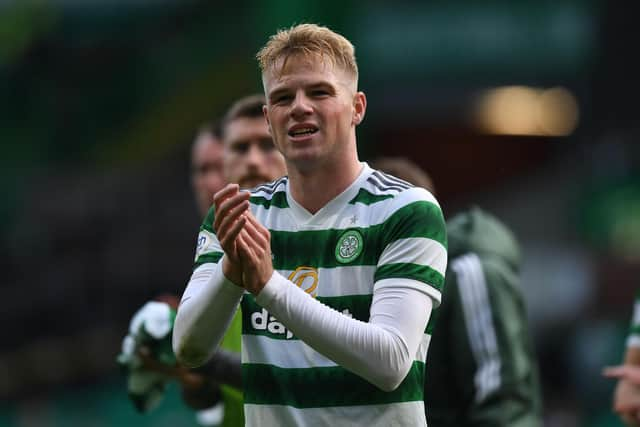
x=274 y=286
x=633 y=341
x=227 y=287
x=426 y=289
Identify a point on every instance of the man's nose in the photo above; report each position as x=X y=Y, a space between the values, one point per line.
x=300 y=106
x=254 y=156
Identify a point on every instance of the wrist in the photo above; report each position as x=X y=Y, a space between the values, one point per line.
x=258 y=285
x=232 y=271
x=271 y=289
x=256 y=289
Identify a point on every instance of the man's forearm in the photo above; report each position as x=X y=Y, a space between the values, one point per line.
x=206 y=309
x=381 y=351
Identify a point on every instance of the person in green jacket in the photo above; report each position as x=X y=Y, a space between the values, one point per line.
x=481 y=368
x=242 y=151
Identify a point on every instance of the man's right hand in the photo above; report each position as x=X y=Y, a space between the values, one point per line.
x=198 y=390
x=230 y=206
x=626 y=399
x=627 y=403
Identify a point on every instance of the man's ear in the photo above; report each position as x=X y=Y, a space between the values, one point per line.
x=265 y=110
x=359 y=107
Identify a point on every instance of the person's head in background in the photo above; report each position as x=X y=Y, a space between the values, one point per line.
x=250 y=156
x=405 y=169
x=207 y=176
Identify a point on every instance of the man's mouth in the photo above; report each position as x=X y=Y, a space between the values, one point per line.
x=302 y=130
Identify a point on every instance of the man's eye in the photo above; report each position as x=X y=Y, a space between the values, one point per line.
x=240 y=148
x=319 y=92
x=267 y=145
x=282 y=98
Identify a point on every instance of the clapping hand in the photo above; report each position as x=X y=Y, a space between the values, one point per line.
x=254 y=249
x=245 y=242
x=231 y=207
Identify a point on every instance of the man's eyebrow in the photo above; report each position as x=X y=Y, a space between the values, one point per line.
x=322 y=84
x=277 y=92
x=319 y=84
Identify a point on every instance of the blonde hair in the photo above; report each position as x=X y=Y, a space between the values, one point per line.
x=308 y=40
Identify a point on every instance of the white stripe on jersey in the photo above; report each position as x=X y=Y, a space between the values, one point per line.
x=395 y=414
x=405 y=251
x=281 y=353
x=331 y=280
x=280 y=219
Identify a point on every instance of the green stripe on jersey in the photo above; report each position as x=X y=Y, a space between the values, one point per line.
x=323 y=387
x=213 y=257
x=292 y=249
x=316 y=248
x=418 y=219
x=432 y=322
x=279 y=200
x=358 y=307
x=207 y=223
x=421 y=273
x=367 y=198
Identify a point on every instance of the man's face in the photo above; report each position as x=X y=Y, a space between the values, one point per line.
x=312 y=109
x=207 y=175
x=250 y=156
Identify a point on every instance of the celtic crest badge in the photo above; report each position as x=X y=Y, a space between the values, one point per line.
x=349 y=246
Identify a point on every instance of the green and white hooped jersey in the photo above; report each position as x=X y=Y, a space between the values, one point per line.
x=379 y=228
x=634 y=331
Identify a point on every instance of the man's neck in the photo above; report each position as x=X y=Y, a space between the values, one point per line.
x=315 y=188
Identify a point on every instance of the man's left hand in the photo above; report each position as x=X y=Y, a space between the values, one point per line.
x=254 y=248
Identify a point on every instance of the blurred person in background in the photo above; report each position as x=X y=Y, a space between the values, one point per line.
x=207 y=174
x=244 y=154
x=334 y=319
x=626 y=398
x=250 y=156
x=481 y=368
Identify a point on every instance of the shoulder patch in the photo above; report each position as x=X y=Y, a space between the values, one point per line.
x=204 y=243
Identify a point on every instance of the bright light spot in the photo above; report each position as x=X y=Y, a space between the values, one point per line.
x=521 y=110
x=557 y=112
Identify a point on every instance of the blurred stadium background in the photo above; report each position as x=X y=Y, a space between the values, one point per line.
x=526 y=108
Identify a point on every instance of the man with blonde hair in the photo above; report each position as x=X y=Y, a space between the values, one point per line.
x=337 y=266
